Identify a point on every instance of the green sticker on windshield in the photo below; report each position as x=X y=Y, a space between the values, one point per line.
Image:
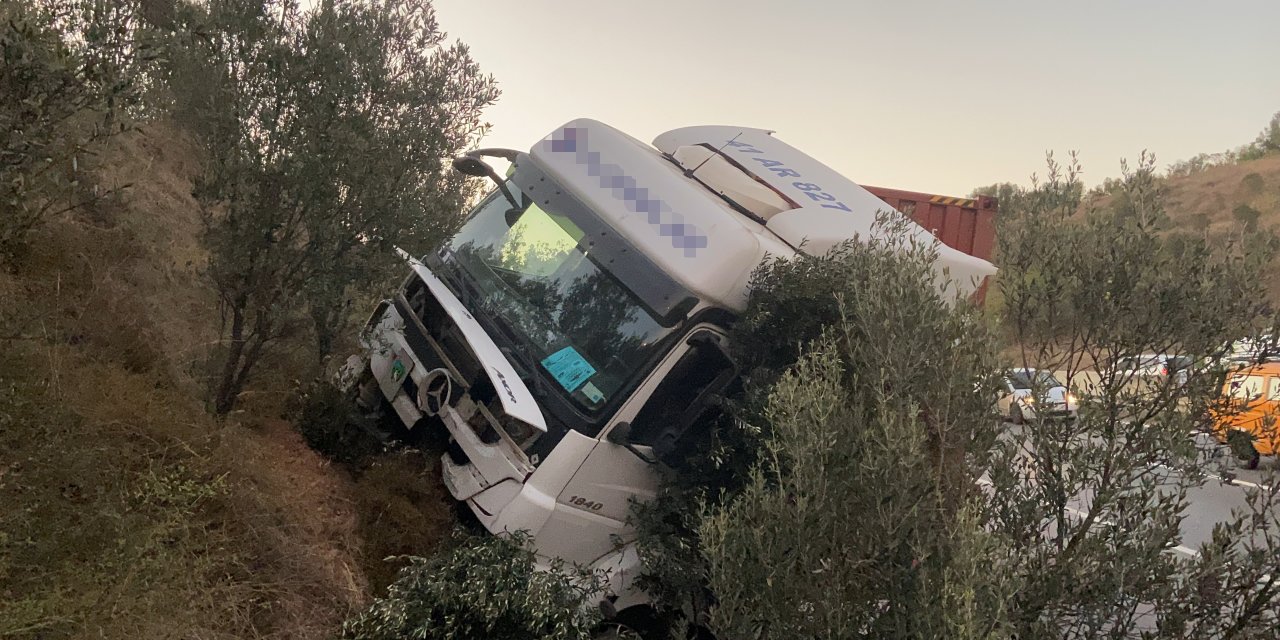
x=592 y=393
x=569 y=368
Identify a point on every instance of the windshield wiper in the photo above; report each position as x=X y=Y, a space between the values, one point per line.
x=470 y=298
x=450 y=274
x=521 y=362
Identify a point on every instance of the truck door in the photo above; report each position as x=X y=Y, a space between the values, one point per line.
x=675 y=393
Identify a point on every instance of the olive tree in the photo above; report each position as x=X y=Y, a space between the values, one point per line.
x=328 y=131
x=867 y=488
x=858 y=518
x=1093 y=507
x=69 y=71
x=485 y=587
x=839 y=499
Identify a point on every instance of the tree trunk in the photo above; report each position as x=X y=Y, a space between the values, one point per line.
x=323 y=322
x=230 y=382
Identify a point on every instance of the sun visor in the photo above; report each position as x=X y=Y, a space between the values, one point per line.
x=637 y=193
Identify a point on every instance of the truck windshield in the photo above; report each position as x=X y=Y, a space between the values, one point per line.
x=533 y=273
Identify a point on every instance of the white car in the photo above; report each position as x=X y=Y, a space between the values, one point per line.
x=1034 y=393
x=1254 y=350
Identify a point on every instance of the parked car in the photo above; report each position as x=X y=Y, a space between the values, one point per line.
x=1251 y=427
x=1254 y=350
x=1032 y=393
x=1153 y=368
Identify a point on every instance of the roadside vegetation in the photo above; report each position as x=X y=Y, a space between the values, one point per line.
x=1223 y=196
x=326 y=135
x=868 y=490
x=484 y=587
x=127 y=508
x=70 y=74
x=196 y=199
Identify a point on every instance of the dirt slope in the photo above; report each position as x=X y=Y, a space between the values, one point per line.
x=1207 y=199
x=125 y=510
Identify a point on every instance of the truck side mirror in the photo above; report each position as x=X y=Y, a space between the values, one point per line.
x=620 y=435
x=471 y=166
x=512 y=216
x=711 y=397
x=696 y=383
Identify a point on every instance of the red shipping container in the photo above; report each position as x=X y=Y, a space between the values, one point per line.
x=966 y=224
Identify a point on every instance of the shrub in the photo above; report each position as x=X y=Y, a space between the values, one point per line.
x=855 y=518
x=1200 y=221
x=486 y=587
x=1198 y=163
x=876 y=309
x=1252 y=184
x=306 y=195
x=1247 y=216
x=330 y=424
x=68 y=72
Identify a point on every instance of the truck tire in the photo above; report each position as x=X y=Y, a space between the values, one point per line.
x=1241 y=444
x=616 y=631
x=1253 y=461
x=1015 y=415
x=636 y=623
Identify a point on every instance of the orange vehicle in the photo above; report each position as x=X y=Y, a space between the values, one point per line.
x=1255 y=394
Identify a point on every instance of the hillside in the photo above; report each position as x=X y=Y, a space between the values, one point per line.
x=126 y=510
x=1207 y=199
x=1228 y=200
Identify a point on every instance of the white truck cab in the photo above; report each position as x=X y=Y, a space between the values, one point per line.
x=572 y=333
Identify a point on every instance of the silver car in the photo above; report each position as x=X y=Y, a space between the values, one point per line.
x=1153 y=368
x=1036 y=393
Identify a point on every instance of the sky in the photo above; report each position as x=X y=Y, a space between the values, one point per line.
x=933 y=96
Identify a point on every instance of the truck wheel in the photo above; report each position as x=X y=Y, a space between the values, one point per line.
x=616 y=631
x=635 y=623
x=1252 y=462
x=1241 y=444
x=1015 y=415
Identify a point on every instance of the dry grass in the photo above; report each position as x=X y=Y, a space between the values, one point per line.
x=1207 y=201
x=1214 y=193
x=404 y=510
x=129 y=513
x=126 y=511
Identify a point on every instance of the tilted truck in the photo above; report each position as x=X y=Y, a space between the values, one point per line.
x=572 y=334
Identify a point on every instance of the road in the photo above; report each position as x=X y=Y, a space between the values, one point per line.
x=1225 y=489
